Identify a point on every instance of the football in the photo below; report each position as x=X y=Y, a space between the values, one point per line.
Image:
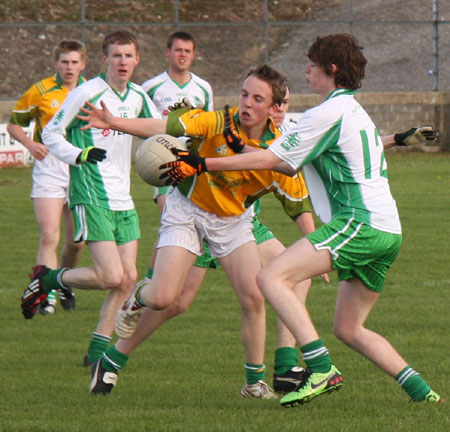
x=152 y=153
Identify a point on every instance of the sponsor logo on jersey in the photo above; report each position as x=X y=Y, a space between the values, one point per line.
x=291 y=141
x=106 y=132
x=58 y=118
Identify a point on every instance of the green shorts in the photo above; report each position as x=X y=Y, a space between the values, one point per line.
x=93 y=223
x=357 y=250
x=206 y=260
x=261 y=232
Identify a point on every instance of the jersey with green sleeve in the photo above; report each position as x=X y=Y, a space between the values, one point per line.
x=107 y=183
x=230 y=193
x=164 y=92
x=39 y=103
x=339 y=140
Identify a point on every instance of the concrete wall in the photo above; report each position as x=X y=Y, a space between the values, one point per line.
x=391 y=112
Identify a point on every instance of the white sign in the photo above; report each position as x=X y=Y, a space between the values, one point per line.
x=12 y=153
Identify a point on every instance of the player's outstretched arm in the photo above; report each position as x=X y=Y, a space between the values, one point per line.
x=103 y=119
x=412 y=136
x=189 y=164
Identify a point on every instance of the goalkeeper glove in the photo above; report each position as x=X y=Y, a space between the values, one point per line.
x=91 y=155
x=232 y=138
x=416 y=135
x=186 y=165
x=184 y=104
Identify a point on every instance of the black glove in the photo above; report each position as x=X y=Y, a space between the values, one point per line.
x=183 y=104
x=186 y=165
x=233 y=140
x=91 y=155
x=416 y=135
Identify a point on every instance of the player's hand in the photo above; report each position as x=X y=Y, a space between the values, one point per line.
x=95 y=117
x=38 y=150
x=183 y=104
x=91 y=155
x=233 y=140
x=416 y=135
x=187 y=165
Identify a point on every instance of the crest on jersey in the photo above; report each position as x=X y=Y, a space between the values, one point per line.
x=222 y=150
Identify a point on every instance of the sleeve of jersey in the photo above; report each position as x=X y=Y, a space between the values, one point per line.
x=195 y=123
x=314 y=133
x=26 y=107
x=148 y=108
x=292 y=194
x=210 y=99
x=54 y=134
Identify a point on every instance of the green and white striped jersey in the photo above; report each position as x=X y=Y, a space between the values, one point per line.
x=338 y=142
x=107 y=183
x=164 y=92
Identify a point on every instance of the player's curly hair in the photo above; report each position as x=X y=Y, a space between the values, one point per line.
x=276 y=80
x=119 y=37
x=344 y=51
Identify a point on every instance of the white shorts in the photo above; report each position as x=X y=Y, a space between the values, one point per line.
x=186 y=225
x=50 y=178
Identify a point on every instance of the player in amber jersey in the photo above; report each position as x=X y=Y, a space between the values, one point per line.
x=50 y=175
x=222 y=216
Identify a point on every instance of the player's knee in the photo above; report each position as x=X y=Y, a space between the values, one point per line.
x=160 y=300
x=49 y=239
x=345 y=333
x=263 y=280
x=112 y=279
x=252 y=301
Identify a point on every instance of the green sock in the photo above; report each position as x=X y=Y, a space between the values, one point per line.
x=316 y=357
x=99 y=344
x=254 y=372
x=52 y=280
x=114 y=360
x=413 y=384
x=285 y=359
x=51 y=298
x=149 y=273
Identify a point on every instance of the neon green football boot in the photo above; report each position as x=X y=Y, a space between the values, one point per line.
x=314 y=385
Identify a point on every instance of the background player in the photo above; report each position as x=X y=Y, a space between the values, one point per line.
x=166 y=90
x=102 y=206
x=50 y=175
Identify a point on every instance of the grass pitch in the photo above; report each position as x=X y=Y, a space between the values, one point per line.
x=187 y=377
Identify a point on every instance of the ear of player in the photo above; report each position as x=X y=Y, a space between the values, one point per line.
x=416 y=135
x=91 y=155
x=187 y=165
x=233 y=140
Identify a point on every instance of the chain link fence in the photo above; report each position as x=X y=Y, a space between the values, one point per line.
x=407 y=44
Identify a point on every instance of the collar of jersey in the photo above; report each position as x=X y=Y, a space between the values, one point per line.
x=59 y=80
x=122 y=98
x=269 y=135
x=181 y=86
x=339 y=92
